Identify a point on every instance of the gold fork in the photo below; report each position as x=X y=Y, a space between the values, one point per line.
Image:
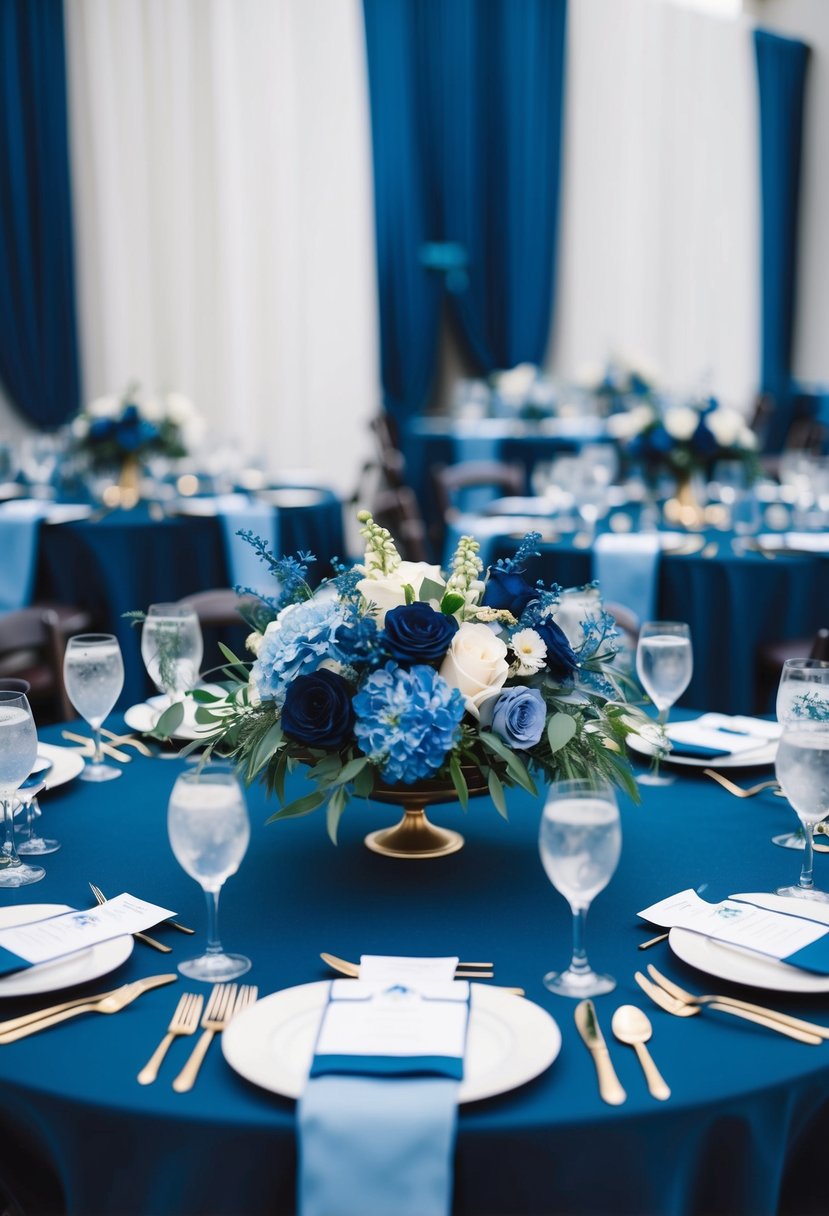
x=139 y=937
x=110 y=1004
x=185 y=1020
x=226 y=1000
x=737 y=790
x=672 y=1004
x=690 y=998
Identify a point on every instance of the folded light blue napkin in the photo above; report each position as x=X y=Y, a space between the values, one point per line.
x=19 y=529
x=239 y=513
x=626 y=567
x=380 y=1142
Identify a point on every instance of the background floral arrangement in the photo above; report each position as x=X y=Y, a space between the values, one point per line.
x=393 y=673
x=113 y=428
x=683 y=439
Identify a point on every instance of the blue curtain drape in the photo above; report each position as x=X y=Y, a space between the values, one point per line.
x=466 y=111
x=38 y=332
x=781 y=72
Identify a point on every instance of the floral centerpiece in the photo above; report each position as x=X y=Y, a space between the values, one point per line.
x=683 y=439
x=392 y=674
x=135 y=425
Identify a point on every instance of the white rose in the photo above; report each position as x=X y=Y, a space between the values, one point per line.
x=104 y=407
x=514 y=385
x=725 y=425
x=681 y=421
x=180 y=409
x=150 y=408
x=748 y=439
x=476 y=663
x=386 y=590
x=630 y=422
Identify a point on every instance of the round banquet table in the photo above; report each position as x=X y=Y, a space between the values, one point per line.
x=740 y=1135
x=128 y=560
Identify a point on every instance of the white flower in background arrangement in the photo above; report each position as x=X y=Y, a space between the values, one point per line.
x=104 y=407
x=514 y=385
x=681 y=421
x=628 y=423
x=726 y=425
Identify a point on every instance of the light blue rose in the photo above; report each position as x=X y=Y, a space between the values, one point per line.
x=519 y=716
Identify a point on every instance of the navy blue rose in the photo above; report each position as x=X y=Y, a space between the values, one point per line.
x=519 y=717
x=703 y=441
x=415 y=633
x=508 y=589
x=560 y=659
x=318 y=710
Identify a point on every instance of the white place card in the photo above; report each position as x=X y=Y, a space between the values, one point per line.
x=43 y=941
x=401 y=969
x=779 y=935
x=394 y=1021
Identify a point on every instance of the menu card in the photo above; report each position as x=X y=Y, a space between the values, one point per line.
x=43 y=941
x=791 y=938
x=721 y=735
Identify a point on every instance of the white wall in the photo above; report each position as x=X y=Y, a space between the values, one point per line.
x=809 y=20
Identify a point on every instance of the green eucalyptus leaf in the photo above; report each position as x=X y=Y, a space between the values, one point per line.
x=496 y=790
x=364 y=782
x=459 y=781
x=560 y=730
x=204 y=697
x=299 y=807
x=352 y=770
x=170 y=721
x=336 y=805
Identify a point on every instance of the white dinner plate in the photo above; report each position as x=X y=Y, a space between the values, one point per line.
x=66 y=764
x=759 y=757
x=742 y=966
x=510 y=1041
x=75 y=968
x=143 y=717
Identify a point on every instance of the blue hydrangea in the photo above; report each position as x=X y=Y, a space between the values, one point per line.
x=296 y=646
x=407 y=721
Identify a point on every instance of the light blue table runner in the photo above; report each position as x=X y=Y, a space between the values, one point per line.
x=238 y=514
x=626 y=567
x=19 y=528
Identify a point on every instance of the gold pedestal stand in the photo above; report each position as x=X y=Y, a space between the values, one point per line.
x=414 y=837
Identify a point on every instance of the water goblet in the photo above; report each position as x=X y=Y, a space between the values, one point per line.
x=18 y=751
x=580 y=841
x=209 y=831
x=802 y=768
x=172 y=648
x=664 y=663
x=93 y=673
x=802 y=695
x=31 y=843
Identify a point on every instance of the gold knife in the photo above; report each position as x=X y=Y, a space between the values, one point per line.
x=588 y=1027
x=108 y=1002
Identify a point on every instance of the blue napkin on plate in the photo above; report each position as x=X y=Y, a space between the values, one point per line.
x=238 y=513
x=19 y=528
x=380 y=1142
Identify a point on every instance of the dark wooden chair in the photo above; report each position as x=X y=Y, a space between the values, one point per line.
x=395 y=508
x=772 y=656
x=32 y=643
x=452 y=481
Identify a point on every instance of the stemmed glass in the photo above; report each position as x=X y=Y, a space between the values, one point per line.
x=207 y=821
x=802 y=767
x=93 y=673
x=172 y=648
x=33 y=844
x=802 y=695
x=580 y=841
x=664 y=663
x=18 y=751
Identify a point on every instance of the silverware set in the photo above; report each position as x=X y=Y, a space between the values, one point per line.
x=104 y=1002
x=144 y=937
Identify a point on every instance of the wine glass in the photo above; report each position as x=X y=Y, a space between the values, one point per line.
x=93 y=673
x=802 y=768
x=207 y=821
x=802 y=695
x=580 y=840
x=664 y=663
x=172 y=648
x=18 y=751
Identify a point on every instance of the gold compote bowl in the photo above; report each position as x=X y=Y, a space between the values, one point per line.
x=415 y=837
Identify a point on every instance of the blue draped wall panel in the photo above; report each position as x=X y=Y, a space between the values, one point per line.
x=781 y=71
x=38 y=336
x=466 y=110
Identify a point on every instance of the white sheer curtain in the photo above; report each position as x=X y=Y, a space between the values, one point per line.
x=659 y=238
x=224 y=229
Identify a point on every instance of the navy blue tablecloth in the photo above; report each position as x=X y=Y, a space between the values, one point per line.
x=128 y=560
x=733 y=603
x=739 y=1137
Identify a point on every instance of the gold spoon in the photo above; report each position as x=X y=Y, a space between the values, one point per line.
x=632 y=1026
